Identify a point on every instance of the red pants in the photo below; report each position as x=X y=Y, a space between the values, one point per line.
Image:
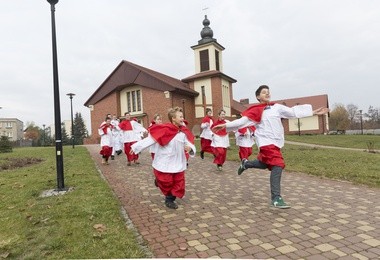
x=206 y=145
x=245 y=152
x=171 y=183
x=271 y=156
x=220 y=154
x=127 y=149
x=106 y=151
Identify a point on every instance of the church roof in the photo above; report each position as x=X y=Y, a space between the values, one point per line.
x=128 y=74
x=209 y=74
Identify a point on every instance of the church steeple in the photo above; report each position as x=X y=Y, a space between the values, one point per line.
x=208 y=52
x=206 y=32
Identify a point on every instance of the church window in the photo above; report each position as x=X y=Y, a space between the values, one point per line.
x=204 y=59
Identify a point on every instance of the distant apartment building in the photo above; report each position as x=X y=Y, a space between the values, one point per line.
x=12 y=128
x=66 y=124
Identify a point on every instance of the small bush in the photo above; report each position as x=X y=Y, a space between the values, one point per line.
x=5 y=145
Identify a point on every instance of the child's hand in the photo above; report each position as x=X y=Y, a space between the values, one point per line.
x=321 y=111
x=187 y=148
x=218 y=127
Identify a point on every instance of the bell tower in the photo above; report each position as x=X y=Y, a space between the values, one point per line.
x=213 y=86
x=208 y=52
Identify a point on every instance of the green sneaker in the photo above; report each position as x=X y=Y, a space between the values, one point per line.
x=241 y=168
x=280 y=203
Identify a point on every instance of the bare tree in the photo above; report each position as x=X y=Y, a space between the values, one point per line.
x=352 y=111
x=339 y=118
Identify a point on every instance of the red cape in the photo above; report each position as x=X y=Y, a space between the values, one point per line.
x=206 y=119
x=126 y=125
x=244 y=129
x=105 y=127
x=221 y=132
x=164 y=133
x=255 y=112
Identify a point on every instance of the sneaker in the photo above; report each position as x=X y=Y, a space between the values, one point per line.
x=155 y=183
x=280 y=203
x=129 y=164
x=241 y=168
x=171 y=205
x=112 y=157
x=202 y=154
x=219 y=167
x=118 y=152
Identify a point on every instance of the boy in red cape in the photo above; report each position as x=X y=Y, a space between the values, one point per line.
x=245 y=139
x=106 y=139
x=131 y=130
x=220 y=141
x=169 y=163
x=206 y=135
x=269 y=133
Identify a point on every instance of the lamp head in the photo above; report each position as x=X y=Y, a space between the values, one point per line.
x=52 y=2
x=70 y=95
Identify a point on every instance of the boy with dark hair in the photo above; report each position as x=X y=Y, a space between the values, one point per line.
x=206 y=135
x=269 y=133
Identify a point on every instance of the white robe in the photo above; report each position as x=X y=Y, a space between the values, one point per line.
x=169 y=158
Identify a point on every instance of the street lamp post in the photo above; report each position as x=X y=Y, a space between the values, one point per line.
x=72 y=120
x=57 y=110
x=43 y=137
x=361 y=120
x=183 y=108
x=298 y=124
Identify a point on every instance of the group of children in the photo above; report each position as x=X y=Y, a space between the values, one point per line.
x=217 y=142
x=116 y=135
x=171 y=143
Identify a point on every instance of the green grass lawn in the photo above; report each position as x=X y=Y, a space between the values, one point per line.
x=83 y=223
x=351 y=141
x=354 y=166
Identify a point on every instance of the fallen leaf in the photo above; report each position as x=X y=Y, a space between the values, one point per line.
x=4 y=255
x=100 y=227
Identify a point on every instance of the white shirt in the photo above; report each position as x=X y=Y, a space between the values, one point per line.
x=270 y=130
x=245 y=140
x=134 y=134
x=220 y=140
x=169 y=158
x=105 y=139
x=206 y=130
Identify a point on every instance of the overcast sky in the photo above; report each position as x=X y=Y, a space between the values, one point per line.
x=299 y=48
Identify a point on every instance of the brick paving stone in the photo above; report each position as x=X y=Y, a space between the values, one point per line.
x=339 y=220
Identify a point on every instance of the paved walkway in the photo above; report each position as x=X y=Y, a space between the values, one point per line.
x=224 y=215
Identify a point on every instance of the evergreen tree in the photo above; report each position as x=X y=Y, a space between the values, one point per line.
x=5 y=145
x=65 y=136
x=80 y=130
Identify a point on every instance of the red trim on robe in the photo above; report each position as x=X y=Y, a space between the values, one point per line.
x=206 y=119
x=221 y=132
x=105 y=127
x=164 y=133
x=126 y=125
x=255 y=112
x=244 y=129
